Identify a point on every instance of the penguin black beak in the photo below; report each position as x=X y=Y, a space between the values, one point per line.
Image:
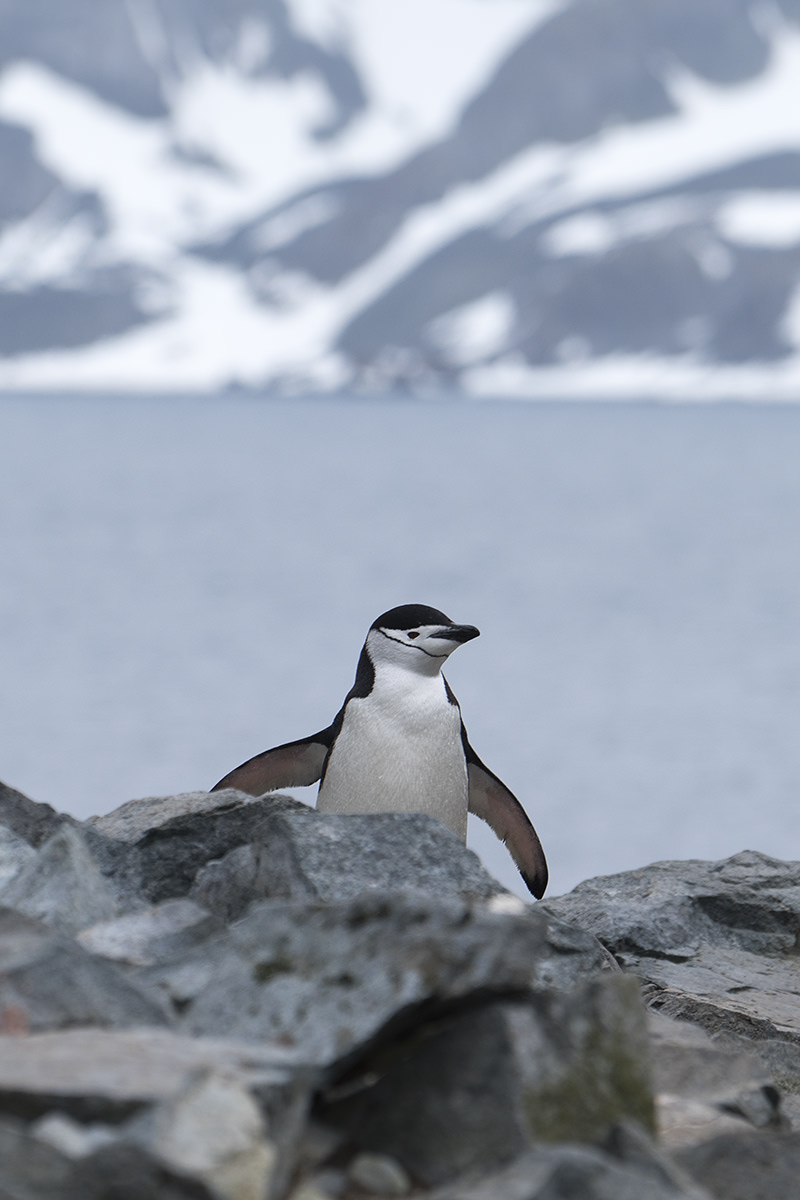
x=456 y=633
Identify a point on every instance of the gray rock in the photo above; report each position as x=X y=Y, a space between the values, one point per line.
x=780 y=1060
x=30 y=1169
x=33 y=822
x=61 y=885
x=572 y=1173
x=33 y=1169
x=224 y=1113
x=106 y=1074
x=15 y=853
x=152 y=936
x=703 y=1088
x=754 y=1166
x=212 y=1130
x=327 y=977
x=49 y=982
x=379 y=1174
x=471 y=1090
x=338 y=857
x=135 y=820
x=228 y=886
x=72 y=1138
x=153 y=848
x=715 y=941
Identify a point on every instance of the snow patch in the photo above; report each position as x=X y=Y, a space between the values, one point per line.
x=262 y=130
x=585 y=234
x=475 y=331
x=635 y=377
x=593 y=233
x=285 y=226
x=151 y=200
x=51 y=246
x=419 y=62
x=762 y=219
x=323 y=21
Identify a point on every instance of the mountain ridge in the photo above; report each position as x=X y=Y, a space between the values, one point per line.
x=519 y=198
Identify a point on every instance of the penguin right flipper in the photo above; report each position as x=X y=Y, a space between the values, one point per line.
x=491 y=800
x=295 y=764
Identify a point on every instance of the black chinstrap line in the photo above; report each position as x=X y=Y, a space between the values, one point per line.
x=410 y=645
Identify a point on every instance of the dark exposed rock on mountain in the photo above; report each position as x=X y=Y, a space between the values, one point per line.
x=310 y=1006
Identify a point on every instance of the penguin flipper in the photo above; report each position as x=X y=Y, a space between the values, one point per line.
x=295 y=764
x=491 y=800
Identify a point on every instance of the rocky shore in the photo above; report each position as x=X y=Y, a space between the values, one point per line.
x=221 y=997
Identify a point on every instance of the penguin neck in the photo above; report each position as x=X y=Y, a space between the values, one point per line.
x=397 y=661
x=396 y=682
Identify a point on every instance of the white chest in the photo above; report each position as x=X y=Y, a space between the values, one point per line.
x=399 y=750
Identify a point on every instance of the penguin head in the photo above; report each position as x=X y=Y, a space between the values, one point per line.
x=417 y=637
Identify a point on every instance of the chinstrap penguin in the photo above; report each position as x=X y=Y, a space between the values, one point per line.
x=398 y=743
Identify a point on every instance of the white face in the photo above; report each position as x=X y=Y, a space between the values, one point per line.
x=423 y=649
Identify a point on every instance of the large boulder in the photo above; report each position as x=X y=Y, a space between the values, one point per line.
x=477 y=1085
x=152 y=849
x=339 y=857
x=716 y=942
x=329 y=976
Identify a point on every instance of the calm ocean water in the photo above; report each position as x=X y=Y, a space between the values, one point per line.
x=186 y=582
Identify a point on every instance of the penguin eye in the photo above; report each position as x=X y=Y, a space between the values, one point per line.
x=414 y=633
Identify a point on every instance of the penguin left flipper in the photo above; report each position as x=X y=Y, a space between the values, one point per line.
x=295 y=764
x=491 y=800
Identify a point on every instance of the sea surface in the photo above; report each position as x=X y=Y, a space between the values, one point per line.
x=185 y=582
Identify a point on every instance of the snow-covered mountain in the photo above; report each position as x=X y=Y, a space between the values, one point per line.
x=518 y=197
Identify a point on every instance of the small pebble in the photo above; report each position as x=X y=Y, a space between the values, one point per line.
x=380 y=1175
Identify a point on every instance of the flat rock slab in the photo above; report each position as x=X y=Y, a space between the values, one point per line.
x=101 y=1074
x=339 y=857
x=716 y=941
x=327 y=977
x=48 y=981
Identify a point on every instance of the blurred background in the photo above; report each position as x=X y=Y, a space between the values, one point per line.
x=279 y=283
